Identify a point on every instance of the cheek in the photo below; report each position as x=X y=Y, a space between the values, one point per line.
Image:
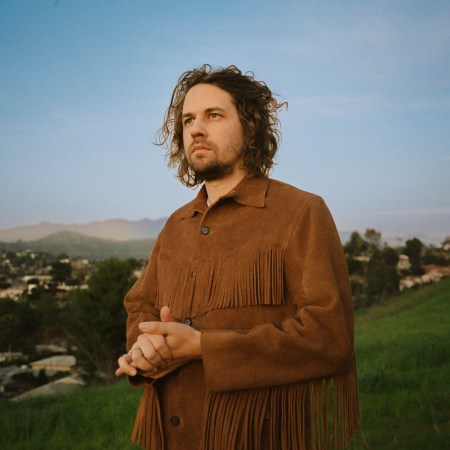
x=238 y=139
x=186 y=138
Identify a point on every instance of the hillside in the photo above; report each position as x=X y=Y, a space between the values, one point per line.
x=116 y=229
x=404 y=372
x=125 y=230
x=80 y=246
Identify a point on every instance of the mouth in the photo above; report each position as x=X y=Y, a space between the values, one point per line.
x=199 y=148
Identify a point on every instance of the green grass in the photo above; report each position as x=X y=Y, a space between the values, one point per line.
x=403 y=355
x=403 y=352
x=91 y=418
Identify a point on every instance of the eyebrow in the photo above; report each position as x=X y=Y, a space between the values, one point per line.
x=207 y=110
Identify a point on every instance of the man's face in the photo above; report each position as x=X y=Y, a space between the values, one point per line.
x=212 y=132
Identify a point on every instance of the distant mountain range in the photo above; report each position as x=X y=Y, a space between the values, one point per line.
x=80 y=246
x=114 y=238
x=116 y=229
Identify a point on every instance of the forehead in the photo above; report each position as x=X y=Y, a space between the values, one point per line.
x=204 y=96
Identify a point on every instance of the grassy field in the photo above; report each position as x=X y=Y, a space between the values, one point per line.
x=403 y=356
x=91 y=418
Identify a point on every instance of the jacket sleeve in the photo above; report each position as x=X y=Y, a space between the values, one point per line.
x=316 y=341
x=140 y=300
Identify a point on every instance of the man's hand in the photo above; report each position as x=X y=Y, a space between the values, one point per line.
x=149 y=354
x=182 y=341
x=163 y=347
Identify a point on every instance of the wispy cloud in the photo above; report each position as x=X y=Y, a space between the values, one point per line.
x=335 y=106
x=341 y=106
x=374 y=42
x=422 y=212
x=69 y=125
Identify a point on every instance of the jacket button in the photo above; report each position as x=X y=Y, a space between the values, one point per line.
x=204 y=230
x=175 y=421
x=187 y=321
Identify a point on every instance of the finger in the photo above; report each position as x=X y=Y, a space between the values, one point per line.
x=155 y=349
x=166 y=314
x=119 y=372
x=145 y=357
x=162 y=328
x=142 y=365
x=124 y=366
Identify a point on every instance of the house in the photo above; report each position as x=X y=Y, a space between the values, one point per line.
x=11 y=356
x=60 y=386
x=54 y=364
x=403 y=265
x=13 y=293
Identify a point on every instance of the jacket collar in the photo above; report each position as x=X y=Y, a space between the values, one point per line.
x=250 y=191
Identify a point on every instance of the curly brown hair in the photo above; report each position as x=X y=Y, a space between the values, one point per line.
x=257 y=109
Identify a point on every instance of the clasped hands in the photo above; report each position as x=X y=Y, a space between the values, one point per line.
x=161 y=348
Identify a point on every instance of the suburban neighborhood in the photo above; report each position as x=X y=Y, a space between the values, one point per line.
x=43 y=350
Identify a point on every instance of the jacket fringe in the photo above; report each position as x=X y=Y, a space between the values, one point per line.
x=305 y=416
x=250 y=277
x=236 y=420
x=147 y=430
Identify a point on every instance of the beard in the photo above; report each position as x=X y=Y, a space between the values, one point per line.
x=213 y=170
x=210 y=169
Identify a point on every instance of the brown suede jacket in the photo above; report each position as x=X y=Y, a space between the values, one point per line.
x=261 y=273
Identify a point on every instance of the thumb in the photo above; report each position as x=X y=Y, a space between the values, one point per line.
x=166 y=314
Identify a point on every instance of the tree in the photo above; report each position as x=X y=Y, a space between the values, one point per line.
x=356 y=245
x=95 y=318
x=382 y=278
x=439 y=256
x=355 y=267
x=390 y=256
x=61 y=271
x=373 y=239
x=47 y=314
x=413 y=248
x=17 y=324
x=9 y=329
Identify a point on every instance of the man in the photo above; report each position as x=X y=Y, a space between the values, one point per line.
x=241 y=327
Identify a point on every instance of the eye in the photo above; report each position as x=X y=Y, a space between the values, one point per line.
x=187 y=121
x=214 y=115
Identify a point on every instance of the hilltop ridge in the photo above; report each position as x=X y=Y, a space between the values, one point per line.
x=80 y=246
x=116 y=229
x=128 y=230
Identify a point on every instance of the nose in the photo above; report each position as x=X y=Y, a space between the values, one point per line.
x=197 y=128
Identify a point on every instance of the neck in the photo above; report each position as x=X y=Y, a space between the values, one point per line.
x=218 y=188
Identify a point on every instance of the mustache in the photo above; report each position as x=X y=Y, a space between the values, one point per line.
x=203 y=142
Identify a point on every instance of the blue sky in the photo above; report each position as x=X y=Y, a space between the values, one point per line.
x=84 y=85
